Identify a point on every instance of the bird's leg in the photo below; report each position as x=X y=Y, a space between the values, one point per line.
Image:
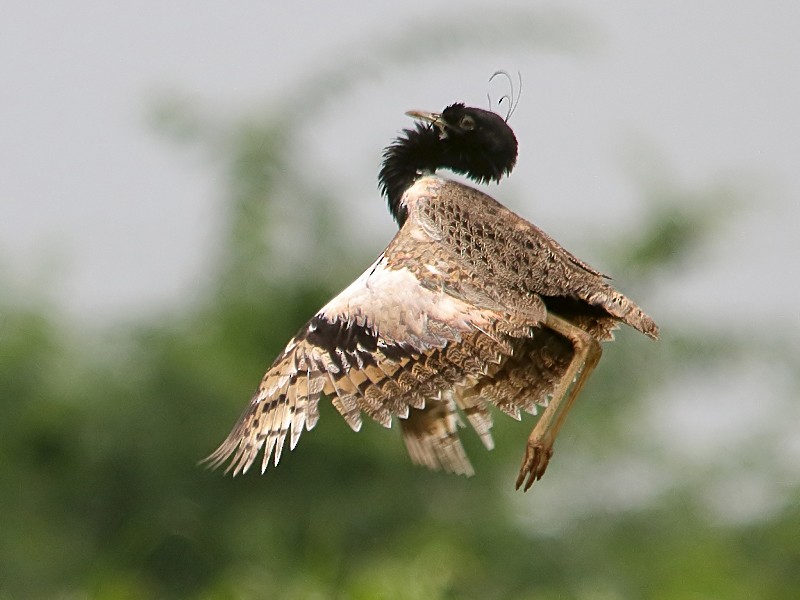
x=539 y=449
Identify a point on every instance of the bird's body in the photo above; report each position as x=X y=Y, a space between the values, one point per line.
x=469 y=304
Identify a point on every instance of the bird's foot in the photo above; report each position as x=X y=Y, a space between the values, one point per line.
x=537 y=457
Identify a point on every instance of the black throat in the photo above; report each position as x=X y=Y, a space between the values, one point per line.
x=415 y=153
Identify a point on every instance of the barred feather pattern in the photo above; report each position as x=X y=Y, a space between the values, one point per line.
x=382 y=383
x=425 y=390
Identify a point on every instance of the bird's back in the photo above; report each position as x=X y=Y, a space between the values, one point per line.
x=498 y=257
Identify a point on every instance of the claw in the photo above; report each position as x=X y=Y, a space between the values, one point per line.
x=537 y=457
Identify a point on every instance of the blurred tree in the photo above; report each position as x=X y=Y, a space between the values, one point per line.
x=99 y=437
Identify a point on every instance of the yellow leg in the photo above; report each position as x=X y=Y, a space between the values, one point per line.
x=539 y=448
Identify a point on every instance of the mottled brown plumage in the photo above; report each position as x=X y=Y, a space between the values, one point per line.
x=469 y=305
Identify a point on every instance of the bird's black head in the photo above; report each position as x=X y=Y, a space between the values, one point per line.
x=469 y=141
x=474 y=142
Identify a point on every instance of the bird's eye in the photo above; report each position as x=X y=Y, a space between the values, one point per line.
x=467 y=123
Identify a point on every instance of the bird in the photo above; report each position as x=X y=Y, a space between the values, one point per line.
x=469 y=306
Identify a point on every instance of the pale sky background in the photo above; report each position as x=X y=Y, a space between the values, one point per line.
x=118 y=221
x=122 y=219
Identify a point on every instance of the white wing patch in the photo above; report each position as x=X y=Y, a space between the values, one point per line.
x=393 y=304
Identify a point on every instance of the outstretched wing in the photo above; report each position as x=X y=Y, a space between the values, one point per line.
x=389 y=344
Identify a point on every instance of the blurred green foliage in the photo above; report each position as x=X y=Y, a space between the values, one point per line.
x=100 y=435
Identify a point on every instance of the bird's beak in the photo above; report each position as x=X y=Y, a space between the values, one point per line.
x=429 y=117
